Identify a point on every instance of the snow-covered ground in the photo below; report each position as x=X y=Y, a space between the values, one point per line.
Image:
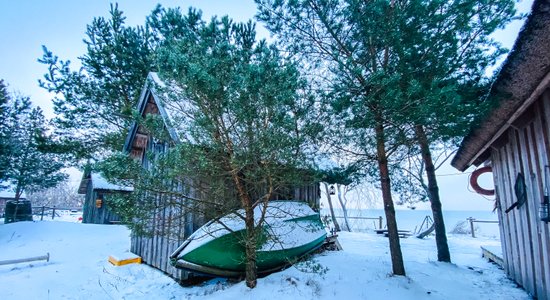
x=78 y=269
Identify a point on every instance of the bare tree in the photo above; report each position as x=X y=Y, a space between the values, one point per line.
x=64 y=195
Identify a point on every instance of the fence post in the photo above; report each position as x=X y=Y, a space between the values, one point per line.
x=472 y=226
x=380 y=221
x=53 y=212
x=42 y=214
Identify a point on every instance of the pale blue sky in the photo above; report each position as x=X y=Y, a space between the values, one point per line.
x=26 y=25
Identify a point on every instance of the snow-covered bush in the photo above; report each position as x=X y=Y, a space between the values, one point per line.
x=463 y=227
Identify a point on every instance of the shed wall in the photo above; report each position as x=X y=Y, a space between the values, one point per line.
x=170 y=225
x=92 y=214
x=525 y=239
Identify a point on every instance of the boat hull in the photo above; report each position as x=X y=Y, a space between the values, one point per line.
x=282 y=241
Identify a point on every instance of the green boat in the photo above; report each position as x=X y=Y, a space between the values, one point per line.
x=291 y=230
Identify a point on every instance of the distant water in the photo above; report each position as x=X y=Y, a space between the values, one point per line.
x=412 y=219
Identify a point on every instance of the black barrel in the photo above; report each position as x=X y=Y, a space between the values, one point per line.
x=17 y=211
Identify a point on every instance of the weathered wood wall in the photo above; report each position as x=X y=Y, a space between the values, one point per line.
x=92 y=214
x=167 y=228
x=525 y=148
x=170 y=225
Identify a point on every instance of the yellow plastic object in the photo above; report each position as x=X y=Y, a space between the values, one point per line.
x=124 y=261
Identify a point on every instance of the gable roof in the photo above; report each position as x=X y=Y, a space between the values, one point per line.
x=151 y=90
x=523 y=77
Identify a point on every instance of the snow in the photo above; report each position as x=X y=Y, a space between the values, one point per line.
x=155 y=78
x=173 y=106
x=78 y=269
x=100 y=183
x=276 y=214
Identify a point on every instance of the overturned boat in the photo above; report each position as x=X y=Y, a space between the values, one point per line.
x=290 y=230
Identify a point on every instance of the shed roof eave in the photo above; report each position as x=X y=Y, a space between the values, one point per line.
x=523 y=78
x=472 y=153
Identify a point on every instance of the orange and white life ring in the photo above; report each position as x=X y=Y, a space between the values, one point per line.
x=475 y=185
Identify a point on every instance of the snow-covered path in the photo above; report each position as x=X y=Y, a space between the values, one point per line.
x=78 y=269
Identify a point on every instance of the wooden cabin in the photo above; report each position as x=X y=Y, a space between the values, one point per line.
x=514 y=140
x=170 y=224
x=96 y=202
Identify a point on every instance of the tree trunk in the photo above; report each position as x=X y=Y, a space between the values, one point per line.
x=395 y=247
x=334 y=221
x=344 y=209
x=251 y=273
x=443 y=253
x=18 y=192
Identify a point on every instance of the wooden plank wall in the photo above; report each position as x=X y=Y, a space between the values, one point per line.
x=87 y=209
x=525 y=239
x=170 y=225
x=167 y=232
x=93 y=215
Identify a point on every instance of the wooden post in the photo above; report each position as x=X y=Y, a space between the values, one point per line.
x=53 y=212
x=42 y=214
x=472 y=226
x=380 y=222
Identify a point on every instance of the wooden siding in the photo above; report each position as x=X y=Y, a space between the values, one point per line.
x=525 y=239
x=167 y=229
x=170 y=225
x=92 y=214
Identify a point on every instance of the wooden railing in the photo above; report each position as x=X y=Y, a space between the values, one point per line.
x=473 y=220
x=379 y=218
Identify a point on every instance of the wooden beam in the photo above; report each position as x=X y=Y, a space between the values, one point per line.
x=22 y=260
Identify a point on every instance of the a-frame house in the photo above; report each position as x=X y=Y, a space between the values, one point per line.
x=171 y=225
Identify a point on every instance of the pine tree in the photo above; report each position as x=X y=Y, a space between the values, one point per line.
x=359 y=64
x=30 y=166
x=249 y=111
x=94 y=105
x=400 y=72
x=5 y=146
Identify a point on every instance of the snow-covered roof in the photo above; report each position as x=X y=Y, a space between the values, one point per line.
x=100 y=183
x=173 y=106
x=173 y=112
x=8 y=193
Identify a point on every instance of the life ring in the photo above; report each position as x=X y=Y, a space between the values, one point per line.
x=475 y=185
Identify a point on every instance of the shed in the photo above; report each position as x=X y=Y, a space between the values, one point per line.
x=96 y=202
x=6 y=196
x=170 y=225
x=514 y=140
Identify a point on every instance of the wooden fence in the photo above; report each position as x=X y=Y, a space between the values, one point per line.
x=53 y=212
x=472 y=227
x=380 y=220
